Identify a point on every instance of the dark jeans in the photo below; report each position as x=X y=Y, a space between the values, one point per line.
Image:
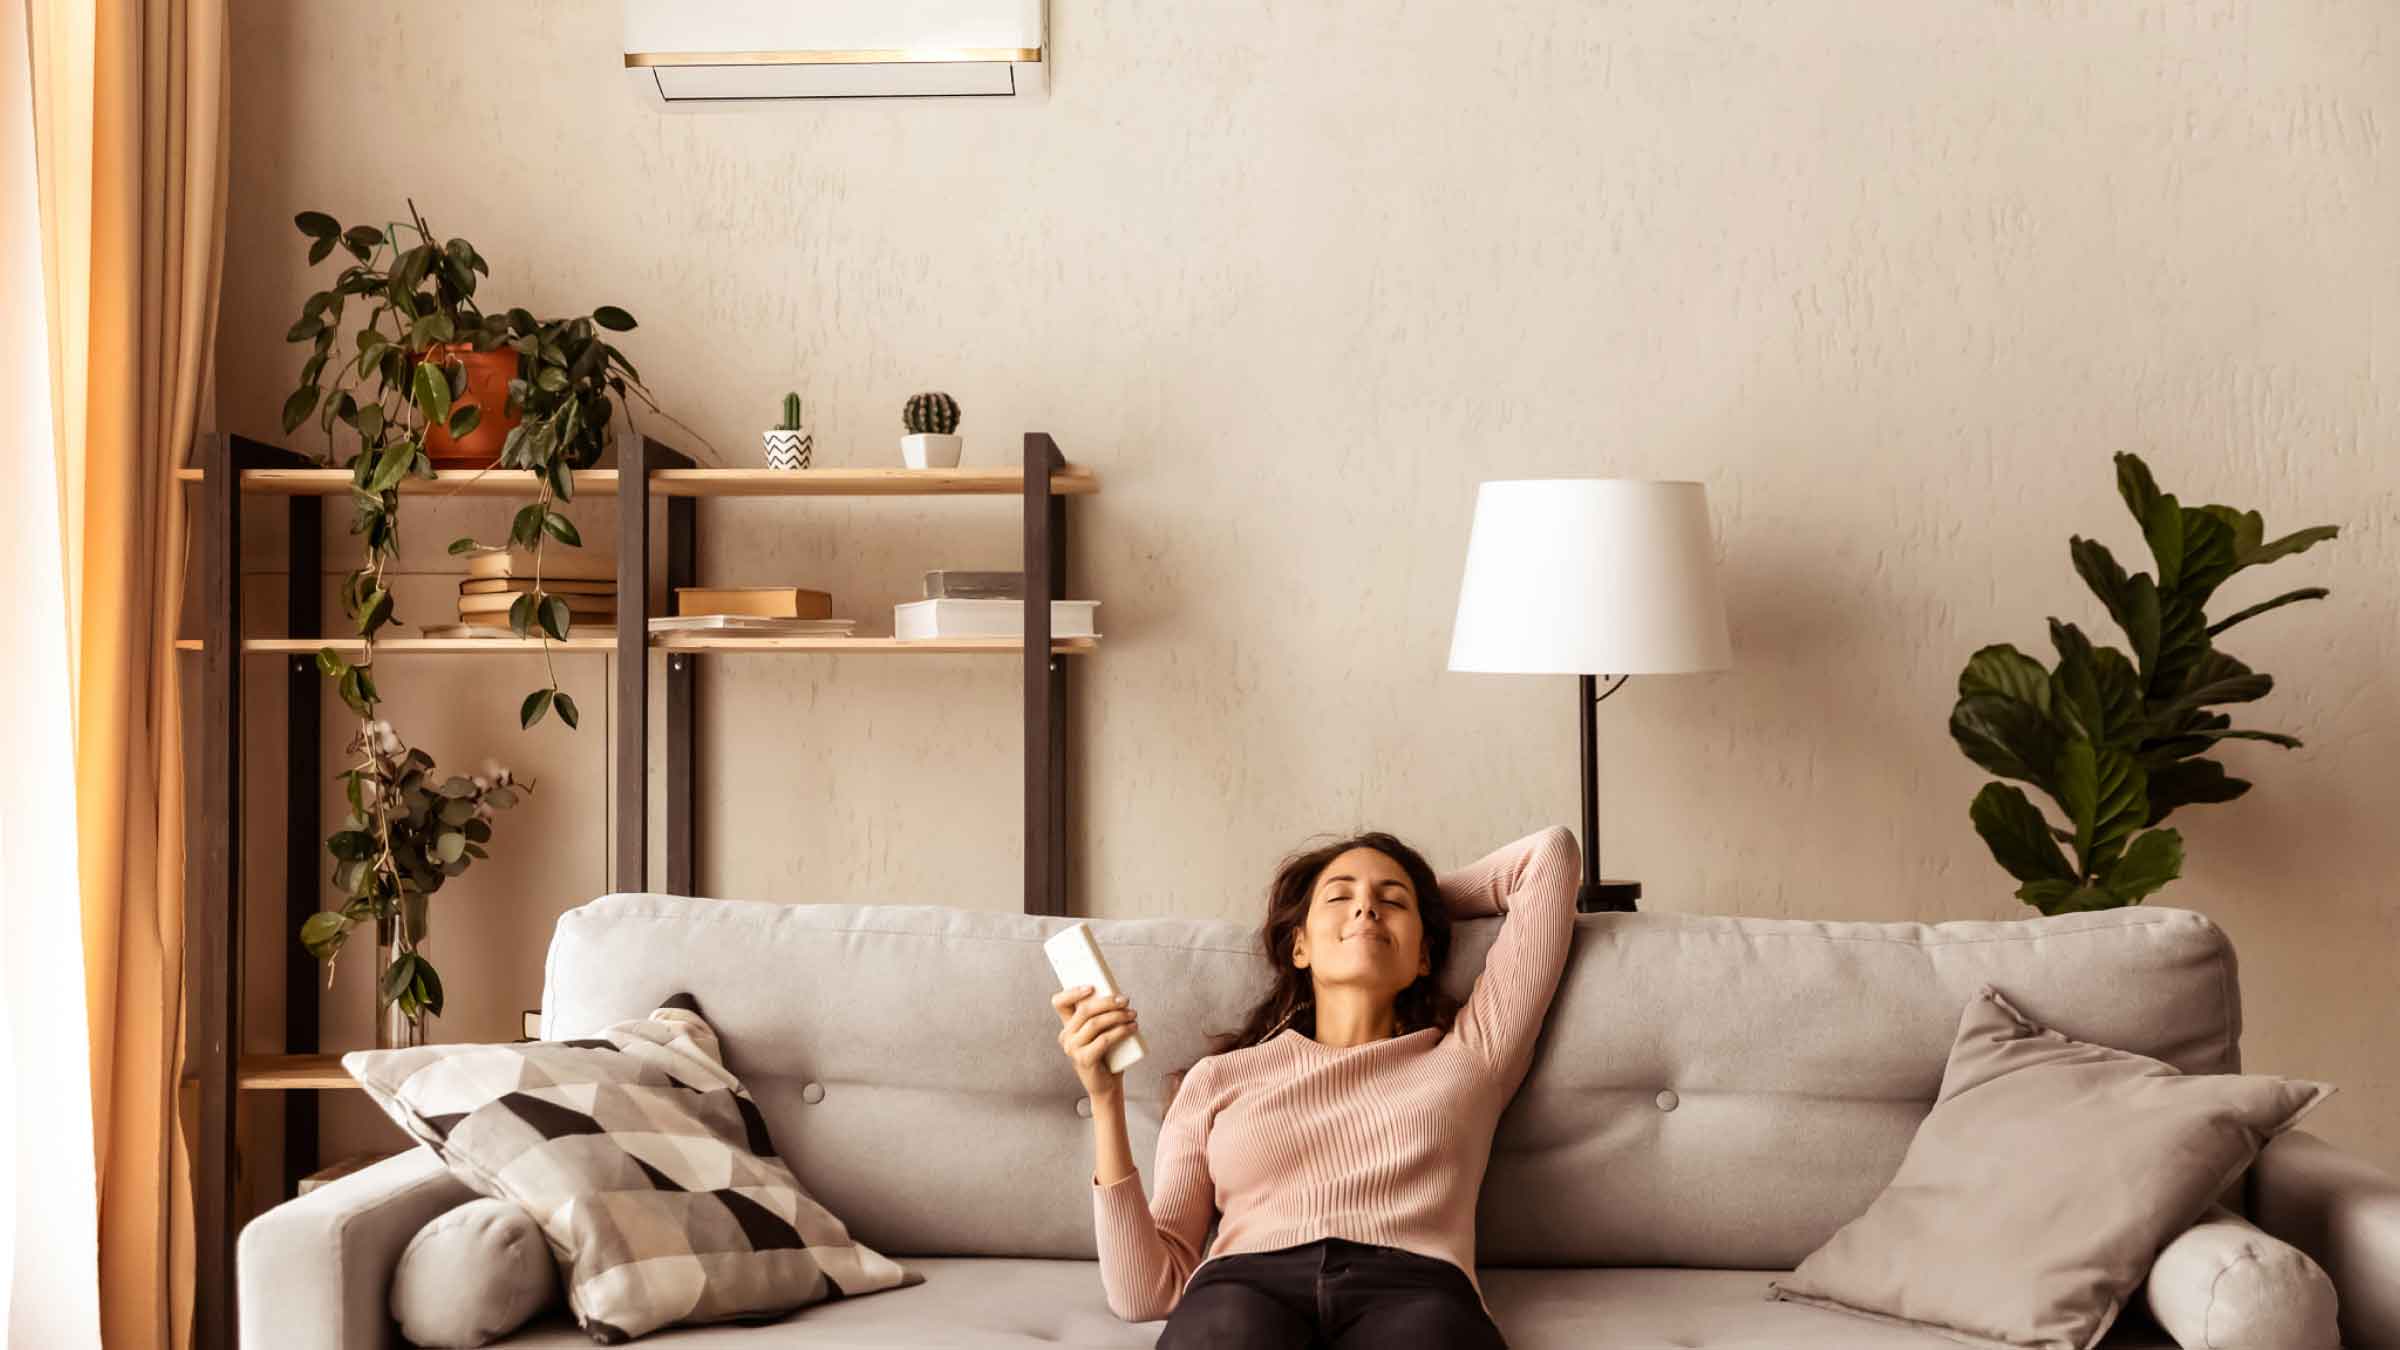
x=1330 y=1293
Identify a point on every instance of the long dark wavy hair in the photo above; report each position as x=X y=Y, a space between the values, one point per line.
x=1290 y=1000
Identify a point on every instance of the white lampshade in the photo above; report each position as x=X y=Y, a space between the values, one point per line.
x=1590 y=576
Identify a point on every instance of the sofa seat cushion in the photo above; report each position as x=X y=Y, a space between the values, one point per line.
x=986 y=1303
x=1655 y=1307
x=966 y=1302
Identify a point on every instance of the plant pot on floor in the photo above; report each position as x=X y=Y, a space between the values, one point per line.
x=930 y=450
x=488 y=374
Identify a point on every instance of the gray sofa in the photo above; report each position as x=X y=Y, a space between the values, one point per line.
x=1711 y=1099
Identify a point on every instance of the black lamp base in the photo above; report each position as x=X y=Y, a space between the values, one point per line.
x=1596 y=896
x=1607 y=897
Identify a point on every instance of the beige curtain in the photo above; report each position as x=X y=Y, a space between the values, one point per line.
x=130 y=122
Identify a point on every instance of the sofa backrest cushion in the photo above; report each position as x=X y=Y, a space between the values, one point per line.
x=1708 y=1091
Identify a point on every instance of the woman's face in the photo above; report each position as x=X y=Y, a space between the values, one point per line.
x=1364 y=926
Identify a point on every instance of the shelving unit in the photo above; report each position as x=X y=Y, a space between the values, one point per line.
x=236 y=469
x=659 y=642
x=1072 y=480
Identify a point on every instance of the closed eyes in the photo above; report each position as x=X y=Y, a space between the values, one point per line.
x=1396 y=892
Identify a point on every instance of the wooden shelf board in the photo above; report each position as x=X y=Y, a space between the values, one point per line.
x=1074 y=480
x=666 y=643
x=286 y=1073
x=400 y=646
x=683 y=642
x=460 y=482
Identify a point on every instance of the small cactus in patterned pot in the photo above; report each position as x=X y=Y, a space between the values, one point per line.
x=932 y=422
x=789 y=446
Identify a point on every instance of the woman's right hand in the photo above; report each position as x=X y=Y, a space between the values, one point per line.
x=1088 y=1025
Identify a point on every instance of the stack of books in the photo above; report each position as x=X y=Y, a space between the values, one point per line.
x=496 y=577
x=754 y=611
x=983 y=605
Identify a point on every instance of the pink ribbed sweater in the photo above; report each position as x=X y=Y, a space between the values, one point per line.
x=1289 y=1141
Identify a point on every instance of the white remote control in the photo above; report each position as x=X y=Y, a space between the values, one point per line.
x=1077 y=959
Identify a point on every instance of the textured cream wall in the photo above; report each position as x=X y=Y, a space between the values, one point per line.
x=1893 y=278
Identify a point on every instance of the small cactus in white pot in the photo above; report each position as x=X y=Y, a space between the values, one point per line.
x=932 y=421
x=789 y=446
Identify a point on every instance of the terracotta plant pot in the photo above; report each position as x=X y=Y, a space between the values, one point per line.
x=488 y=374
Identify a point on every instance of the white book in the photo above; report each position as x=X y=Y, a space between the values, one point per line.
x=953 y=617
x=749 y=623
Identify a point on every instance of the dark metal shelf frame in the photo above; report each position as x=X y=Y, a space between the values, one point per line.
x=215 y=908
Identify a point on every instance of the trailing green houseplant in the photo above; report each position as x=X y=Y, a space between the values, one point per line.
x=402 y=383
x=2120 y=741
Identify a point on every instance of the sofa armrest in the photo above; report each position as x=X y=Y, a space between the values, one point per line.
x=315 y=1273
x=2345 y=1213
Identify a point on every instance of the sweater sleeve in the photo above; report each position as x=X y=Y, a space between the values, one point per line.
x=1148 y=1251
x=1532 y=882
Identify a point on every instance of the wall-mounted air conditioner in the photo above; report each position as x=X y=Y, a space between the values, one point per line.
x=716 y=51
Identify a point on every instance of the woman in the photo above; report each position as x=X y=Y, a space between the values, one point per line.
x=1339 y=1139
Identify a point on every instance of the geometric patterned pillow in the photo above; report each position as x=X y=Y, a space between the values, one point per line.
x=644 y=1162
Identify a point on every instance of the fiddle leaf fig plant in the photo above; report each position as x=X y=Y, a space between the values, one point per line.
x=2118 y=740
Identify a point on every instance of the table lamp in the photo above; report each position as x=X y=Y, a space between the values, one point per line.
x=1585 y=576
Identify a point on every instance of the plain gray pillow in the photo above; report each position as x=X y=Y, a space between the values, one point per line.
x=2030 y=1124
x=473 y=1275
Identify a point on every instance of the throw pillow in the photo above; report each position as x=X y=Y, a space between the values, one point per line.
x=2036 y=1192
x=472 y=1275
x=647 y=1166
x=2226 y=1285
